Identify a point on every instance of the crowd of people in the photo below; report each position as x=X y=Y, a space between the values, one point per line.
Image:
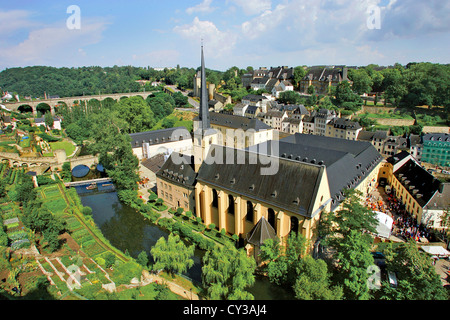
x=405 y=226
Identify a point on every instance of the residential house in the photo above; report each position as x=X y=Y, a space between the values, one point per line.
x=175 y=182
x=215 y=106
x=308 y=123
x=323 y=78
x=284 y=86
x=321 y=119
x=416 y=188
x=292 y=125
x=150 y=143
x=436 y=149
x=239 y=109
x=299 y=112
x=256 y=100
x=416 y=146
x=238 y=132
x=274 y=118
x=56 y=122
x=343 y=129
x=377 y=138
x=252 y=111
x=394 y=145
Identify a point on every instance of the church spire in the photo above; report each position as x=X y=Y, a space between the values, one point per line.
x=204 y=108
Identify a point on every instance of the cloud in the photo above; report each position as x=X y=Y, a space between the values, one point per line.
x=217 y=43
x=158 y=58
x=253 y=7
x=408 y=18
x=14 y=20
x=48 y=44
x=204 y=7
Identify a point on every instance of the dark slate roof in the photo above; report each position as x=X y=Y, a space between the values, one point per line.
x=441 y=198
x=414 y=177
x=398 y=157
x=301 y=109
x=237 y=122
x=261 y=232
x=347 y=162
x=252 y=109
x=373 y=135
x=182 y=174
x=346 y=124
x=325 y=113
x=444 y=137
x=321 y=73
x=254 y=97
x=155 y=163
x=415 y=139
x=293 y=188
x=159 y=136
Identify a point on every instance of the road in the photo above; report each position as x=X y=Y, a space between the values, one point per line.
x=191 y=101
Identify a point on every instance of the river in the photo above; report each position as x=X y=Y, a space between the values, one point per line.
x=127 y=230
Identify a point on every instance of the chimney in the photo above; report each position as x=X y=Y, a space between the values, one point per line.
x=344 y=73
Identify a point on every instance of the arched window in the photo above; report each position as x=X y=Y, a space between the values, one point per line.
x=230 y=204
x=294 y=224
x=271 y=218
x=215 y=200
x=249 y=216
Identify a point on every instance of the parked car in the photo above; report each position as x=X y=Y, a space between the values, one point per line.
x=392 y=279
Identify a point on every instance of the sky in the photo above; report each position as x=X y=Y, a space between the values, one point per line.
x=257 y=33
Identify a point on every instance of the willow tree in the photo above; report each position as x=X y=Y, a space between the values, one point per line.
x=227 y=272
x=172 y=255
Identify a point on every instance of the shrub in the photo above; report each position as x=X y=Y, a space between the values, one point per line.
x=212 y=226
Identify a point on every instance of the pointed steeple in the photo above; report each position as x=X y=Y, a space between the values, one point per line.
x=204 y=109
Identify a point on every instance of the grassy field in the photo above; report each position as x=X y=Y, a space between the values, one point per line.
x=181 y=118
x=67 y=146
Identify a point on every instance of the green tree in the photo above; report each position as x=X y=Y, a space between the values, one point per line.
x=393 y=85
x=362 y=82
x=136 y=114
x=172 y=255
x=289 y=97
x=283 y=261
x=344 y=93
x=313 y=282
x=347 y=231
x=142 y=259
x=417 y=276
x=299 y=74
x=353 y=216
x=353 y=260
x=48 y=119
x=227 y=272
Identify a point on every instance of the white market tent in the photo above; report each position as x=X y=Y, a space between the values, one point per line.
x=436 y=251
x=384 y=226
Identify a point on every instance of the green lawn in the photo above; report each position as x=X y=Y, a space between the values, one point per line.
x=386 y=115
x=67 y=146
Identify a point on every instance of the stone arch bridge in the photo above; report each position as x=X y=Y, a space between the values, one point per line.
x=53 y=162
x=52 y=103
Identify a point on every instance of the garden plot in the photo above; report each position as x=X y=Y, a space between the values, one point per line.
x=69 y=273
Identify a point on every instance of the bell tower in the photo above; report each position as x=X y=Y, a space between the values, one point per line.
x=204 y=135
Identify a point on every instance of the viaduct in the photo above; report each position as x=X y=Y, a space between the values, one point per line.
x=52 y=103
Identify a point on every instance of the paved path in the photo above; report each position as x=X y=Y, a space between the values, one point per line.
x=175 y=288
